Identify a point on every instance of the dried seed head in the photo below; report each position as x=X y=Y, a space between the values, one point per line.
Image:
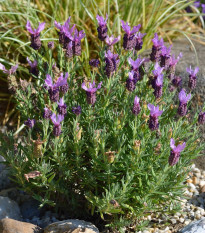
x=157 y=149
x=170 y=133
x=37 y=151
x=78 y=132
x=137 y=144
x=110 y=156
x=32 y=174
x=114 y=203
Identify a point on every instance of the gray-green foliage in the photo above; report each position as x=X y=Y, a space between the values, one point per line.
x=76 y=173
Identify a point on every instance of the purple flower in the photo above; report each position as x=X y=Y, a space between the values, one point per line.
x=91 y=91
x=53 y=89
x=9 y=72
x=157 y=70
x=76 y=41
x=135 y=65
x=33 y=67
x=183 y=98
x=64 y=29
x=136 y=106
x=102 y=27
x=62 y=83
x=158 y=86
x=30 y=123
x=35 y=34
x=177 y=81
x=47 y=113
x=165 y=56
x=94 y=62
x=192 y=77
x=131 y=81
x=172 y=65
x=111 y=63
x=197 y=4
x=138 y=40
x=62 y=107
x=110 y=41
x=129 y=37
x=201 y=118
x=57 y=126
x=175 y=152
x=154 y=114
x=203 y=10
x=156 y=48
x=69 y=50
x=51 y=45
x=77 y=110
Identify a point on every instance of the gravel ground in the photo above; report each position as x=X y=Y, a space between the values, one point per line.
x=193 y=209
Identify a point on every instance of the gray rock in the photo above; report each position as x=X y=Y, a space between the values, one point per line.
x=9 y=209
x=5 y=182
x=71 y=225
x=2 y=166
x=194 y=227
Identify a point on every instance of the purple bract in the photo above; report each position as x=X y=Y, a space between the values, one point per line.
x=131 y=81
x=91 y=91
x=138 y=40
x=77 y=110
x=62 y=107
x=35 y=34
x=136 y=106
x=158 y=86
x=135 y=66
x=157 y=70
x=33 y=67
x=129 y=40
x=201 y=118
x=192 y=77
x=175 y=152
x=183 y=98
x=154 y=114
x=156 y=48
x=47 y=113
x=30 y=123
x=57 y=126
x=165 y=57
x=10 y=71
x=102 y=28
x=110 y=41
x=111 y=61
x=94 y=62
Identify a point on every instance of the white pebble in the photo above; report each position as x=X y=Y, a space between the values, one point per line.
x=202 y=183
x=181 y=220
x=187 y=221
x=176 y=217
x=173 y=221
x=149 y=217
x=203 y=173
x=198 y=216
x=196 y=170
x=178 y=214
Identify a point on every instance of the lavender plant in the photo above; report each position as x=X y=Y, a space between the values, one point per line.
x=104 y=144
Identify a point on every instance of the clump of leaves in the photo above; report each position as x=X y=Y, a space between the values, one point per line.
x=111 y=143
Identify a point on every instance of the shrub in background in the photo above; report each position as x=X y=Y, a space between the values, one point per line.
x=111 y=143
